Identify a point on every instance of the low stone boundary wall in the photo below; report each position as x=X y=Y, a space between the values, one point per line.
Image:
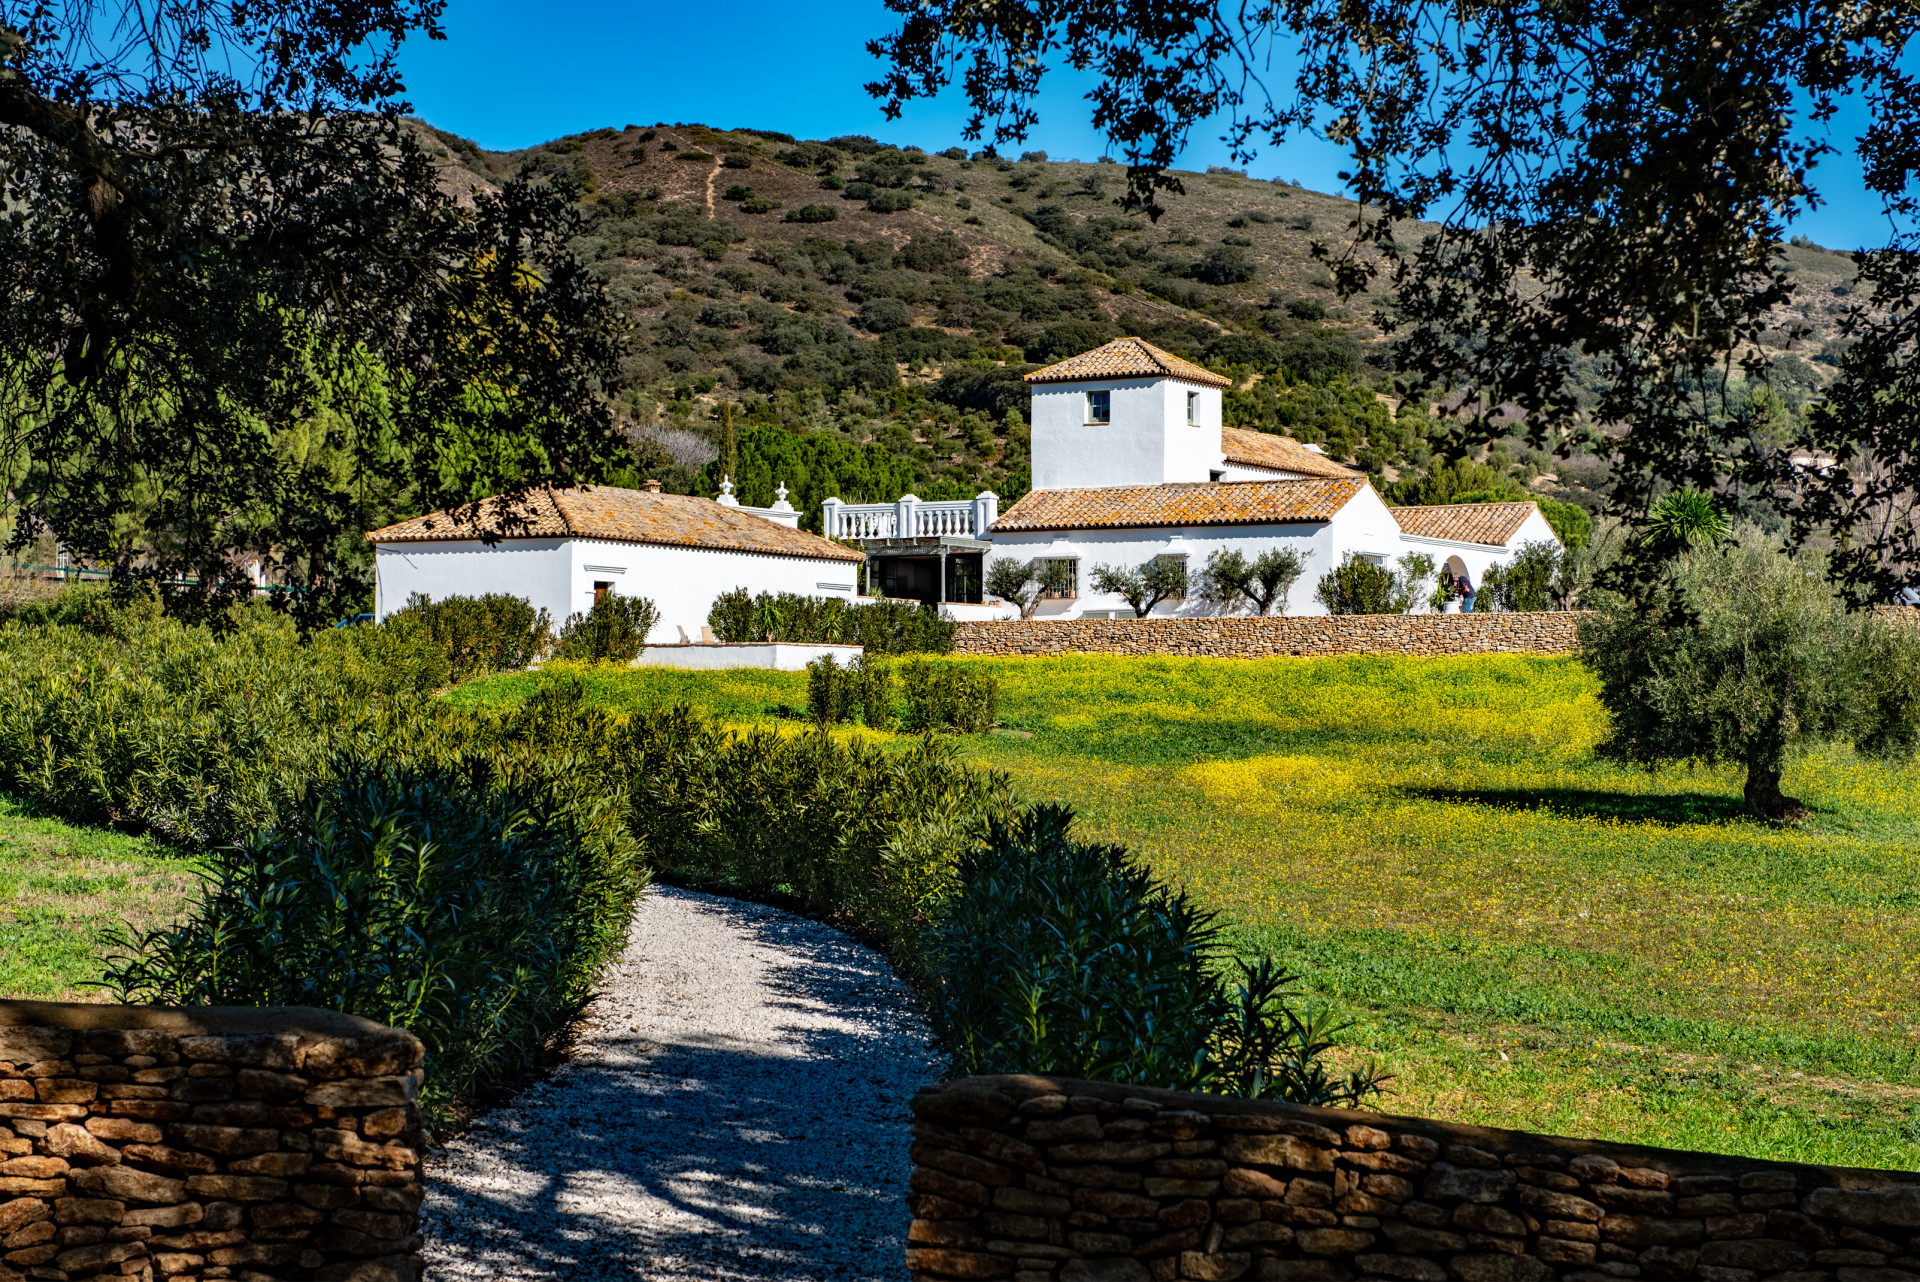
x=1038 y=1179
x=1421 y=635
x=209 y=1142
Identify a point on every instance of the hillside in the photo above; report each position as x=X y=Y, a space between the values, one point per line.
x=865 y=311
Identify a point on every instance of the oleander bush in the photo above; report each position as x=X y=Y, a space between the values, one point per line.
x=471 y=901
x=1066 y=957
x=164 y=727
x=864 y=688
x=614 y=630
x=949 y=697
x=491 y=633
x=881 y=627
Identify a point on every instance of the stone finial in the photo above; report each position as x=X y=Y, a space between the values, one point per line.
x=726 y=498
x=780 y=503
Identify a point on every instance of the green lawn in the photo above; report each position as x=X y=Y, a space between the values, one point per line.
x=1521 y=934
x=62 y=888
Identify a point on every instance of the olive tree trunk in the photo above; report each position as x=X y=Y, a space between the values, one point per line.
x=1764 y=798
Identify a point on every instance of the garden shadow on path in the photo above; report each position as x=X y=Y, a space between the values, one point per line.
x=736 y=1107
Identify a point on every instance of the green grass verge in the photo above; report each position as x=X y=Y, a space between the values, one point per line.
x=1524 y=935
x=63 y=887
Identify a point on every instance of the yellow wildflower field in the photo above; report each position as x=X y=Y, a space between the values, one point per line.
x=1523 y=933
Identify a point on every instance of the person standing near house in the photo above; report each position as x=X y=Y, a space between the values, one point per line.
x=1463 y=588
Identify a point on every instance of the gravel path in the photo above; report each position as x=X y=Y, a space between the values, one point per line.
x=736 y=1108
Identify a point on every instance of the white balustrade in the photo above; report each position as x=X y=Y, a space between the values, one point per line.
x=910 y=518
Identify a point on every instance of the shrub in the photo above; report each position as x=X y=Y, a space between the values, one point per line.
x=1525 y=583
x=880 y=627
x=1307 y=309
x=949 y=697
x=735 y=160
x=831 y=693
x=1227 y=265
x=812 y=214
x=1063 y=957
x=757 y=205
x=864 y=688
x=1358 y=586
x=858 y=191
x=472 y=903
x=492 y=633
x=887 y=202
x=737 y=192
x=885 y=315
x=616 y=629
x=871 y=836
x=198 y=739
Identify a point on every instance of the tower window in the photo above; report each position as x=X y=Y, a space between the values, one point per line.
x=1193 y=408
x=1099 y=407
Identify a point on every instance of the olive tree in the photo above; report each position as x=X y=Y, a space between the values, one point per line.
x=1748 y=655
x=1231 y=580
x=1145 y=586
x=1025 y=584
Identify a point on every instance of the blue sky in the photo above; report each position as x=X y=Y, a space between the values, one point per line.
x=509 y=76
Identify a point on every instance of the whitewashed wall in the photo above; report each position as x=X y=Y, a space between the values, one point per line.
x=1364 y=526
x=536 y=569
x=1477 y=558
x=558 y=575
x=1147 y=442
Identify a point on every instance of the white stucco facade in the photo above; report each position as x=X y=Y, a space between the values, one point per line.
x=1475 y=559
x=560 y=576
x=1146 y=440
x=1364 y=525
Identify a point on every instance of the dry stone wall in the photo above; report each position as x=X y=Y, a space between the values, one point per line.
x=1422 y=635
x=1049 y=1180
x=213 y=1142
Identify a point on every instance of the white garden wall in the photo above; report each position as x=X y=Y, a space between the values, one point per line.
x=558 y=575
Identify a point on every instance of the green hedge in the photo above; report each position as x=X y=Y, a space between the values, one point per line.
x=472 y=901
x=466 y=873
x=882 y=627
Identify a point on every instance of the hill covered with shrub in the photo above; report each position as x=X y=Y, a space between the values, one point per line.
x=853 y=318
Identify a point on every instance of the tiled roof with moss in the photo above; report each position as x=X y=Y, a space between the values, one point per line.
x=1280 y=453
x=1192 y=503
x=1126 y=358
x=619 y=516
x=1491 y=524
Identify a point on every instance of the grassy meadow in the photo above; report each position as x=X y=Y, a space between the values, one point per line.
x=62 y=888
x=1522 y=934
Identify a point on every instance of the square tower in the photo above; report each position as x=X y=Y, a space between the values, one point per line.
x=1124 y=414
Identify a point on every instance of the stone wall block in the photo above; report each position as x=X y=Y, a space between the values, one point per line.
x=1274 y=1191
x=180 y=1144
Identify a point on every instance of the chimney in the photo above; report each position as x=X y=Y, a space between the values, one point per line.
x=652 y=486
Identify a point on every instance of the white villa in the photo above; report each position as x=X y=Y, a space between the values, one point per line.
x=563 y=549
x=1131 y=462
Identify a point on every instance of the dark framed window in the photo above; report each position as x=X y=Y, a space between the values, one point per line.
x=1193 y=408
x=1073 y=582
x=1099 y=407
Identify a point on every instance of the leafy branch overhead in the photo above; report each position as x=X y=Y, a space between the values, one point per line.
x=243 y=320
x=1546 y=189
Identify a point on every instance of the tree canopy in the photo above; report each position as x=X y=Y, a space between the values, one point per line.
x=240 y=317
x=1545 y=187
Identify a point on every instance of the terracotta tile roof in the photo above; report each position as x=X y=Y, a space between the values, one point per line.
x=1126 y=358
x=621 y=516
x=1489 y=523
x=1281 y=453
x=1192 y=503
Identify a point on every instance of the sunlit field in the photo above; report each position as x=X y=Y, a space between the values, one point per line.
x=1522 y=934
x=64 y=889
